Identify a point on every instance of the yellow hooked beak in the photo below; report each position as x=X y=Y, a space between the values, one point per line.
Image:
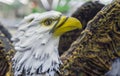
x=66 y=24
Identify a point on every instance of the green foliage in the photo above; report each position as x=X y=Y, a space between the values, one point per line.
x=63 y=8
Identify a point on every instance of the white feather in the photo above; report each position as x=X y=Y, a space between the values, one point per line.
x=37 y=53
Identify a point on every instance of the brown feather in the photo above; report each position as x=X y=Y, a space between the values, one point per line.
x=6 y=54
x=97 y=45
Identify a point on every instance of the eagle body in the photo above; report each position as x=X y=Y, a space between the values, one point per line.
x=87 y=11
x=96 y=49
x=84 y=14
x=37 y=42
x=6 y=53
x=5 y=31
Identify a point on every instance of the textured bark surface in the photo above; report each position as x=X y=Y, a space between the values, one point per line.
x=97 y=45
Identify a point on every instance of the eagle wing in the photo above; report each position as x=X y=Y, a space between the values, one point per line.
x=97 y=45
x=5 y=31
x=6 y=54
x=84 y=13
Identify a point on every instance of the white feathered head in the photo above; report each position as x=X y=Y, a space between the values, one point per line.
x=37 y=41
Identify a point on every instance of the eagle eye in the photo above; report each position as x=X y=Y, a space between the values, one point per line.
x=48 y=22
x=31 y=20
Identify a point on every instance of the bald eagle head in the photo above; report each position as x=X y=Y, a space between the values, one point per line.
x=37 y=43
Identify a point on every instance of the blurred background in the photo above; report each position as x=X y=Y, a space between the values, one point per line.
x=13 y=11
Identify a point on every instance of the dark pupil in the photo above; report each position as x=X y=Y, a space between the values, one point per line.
x=30 y=20
x=48 y=22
